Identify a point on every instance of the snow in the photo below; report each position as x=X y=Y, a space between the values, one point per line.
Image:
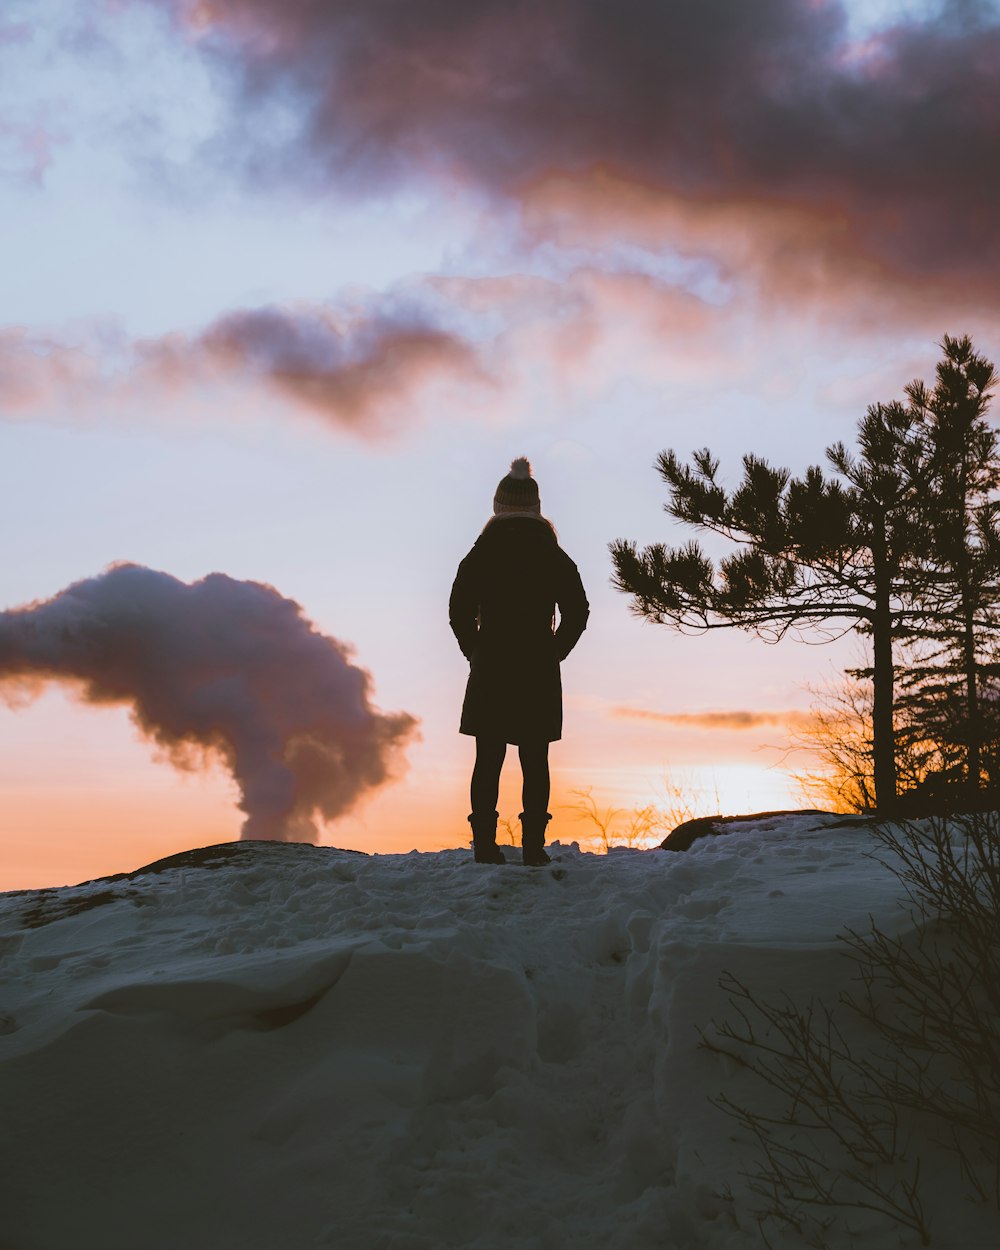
x=291 y=1046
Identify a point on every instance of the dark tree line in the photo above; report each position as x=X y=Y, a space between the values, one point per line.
x=898 y=539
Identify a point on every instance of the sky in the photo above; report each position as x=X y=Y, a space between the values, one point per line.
x=287 y=285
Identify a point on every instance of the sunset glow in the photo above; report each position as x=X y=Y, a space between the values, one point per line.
x=291 y=325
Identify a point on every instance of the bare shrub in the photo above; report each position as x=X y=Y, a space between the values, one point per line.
x=841 y=1124
x=616 y=826
x=508 y=825
x=838 y=735
x=676 y=801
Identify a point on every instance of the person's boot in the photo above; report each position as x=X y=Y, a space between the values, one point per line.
x=533 y=839
x=484 y=838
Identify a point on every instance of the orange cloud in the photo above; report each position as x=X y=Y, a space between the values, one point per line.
x=36 y=369
x=881 y=153
x=771 y=254
x=723 y=720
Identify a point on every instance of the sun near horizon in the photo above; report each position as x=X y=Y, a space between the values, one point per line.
x=84 y=796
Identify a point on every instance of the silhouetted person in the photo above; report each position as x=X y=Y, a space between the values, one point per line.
x=502 y=612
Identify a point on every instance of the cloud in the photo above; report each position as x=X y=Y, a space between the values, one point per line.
x=222 y=666
x=16 y=32
x=363 y=367
x=373 y=364
x=724 y=720
x=37 y=369
x=27 y=149
x=769 y=118
x=360 y=368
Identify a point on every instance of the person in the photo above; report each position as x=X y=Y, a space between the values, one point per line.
x=502 y=612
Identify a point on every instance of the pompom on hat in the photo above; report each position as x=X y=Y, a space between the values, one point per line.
x=517 y=492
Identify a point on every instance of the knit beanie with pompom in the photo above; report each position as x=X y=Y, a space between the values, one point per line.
x=518 y=491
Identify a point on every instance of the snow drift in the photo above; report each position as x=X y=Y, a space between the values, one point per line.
x=227 y=666
x=262 y=1045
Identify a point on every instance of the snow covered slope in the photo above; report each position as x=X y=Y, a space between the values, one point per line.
x=291 y=1046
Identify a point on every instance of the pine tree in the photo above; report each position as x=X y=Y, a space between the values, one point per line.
x=962 y=525
x=810 y=551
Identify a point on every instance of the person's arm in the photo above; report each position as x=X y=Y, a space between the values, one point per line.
x=463 y=606
x=573 y=608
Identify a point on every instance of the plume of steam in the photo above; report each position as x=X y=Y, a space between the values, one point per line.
x=227 y=666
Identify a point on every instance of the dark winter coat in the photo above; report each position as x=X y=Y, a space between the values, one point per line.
x=502 y=612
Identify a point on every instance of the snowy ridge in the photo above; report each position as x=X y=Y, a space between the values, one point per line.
x=304 y=1047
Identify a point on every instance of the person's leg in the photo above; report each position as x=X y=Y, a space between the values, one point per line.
x=535 y=775
x=485 y=787
x=535 y=797
x=486 y=774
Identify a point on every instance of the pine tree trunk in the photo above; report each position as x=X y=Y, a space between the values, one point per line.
x=973 y=728
x=973 y=731
x=883 y=735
